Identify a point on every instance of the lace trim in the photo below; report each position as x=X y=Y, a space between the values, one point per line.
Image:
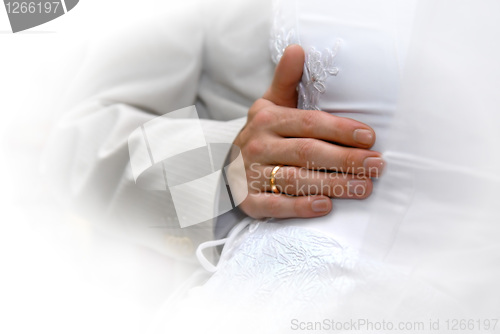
x=283 y=30
x=280 y=40
x=318 y=67
x=297 y=266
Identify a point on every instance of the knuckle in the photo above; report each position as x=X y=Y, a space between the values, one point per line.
x=289 y=180
x=255 y=108
x=348 y=161
x=309 y=122
x=334 y=179
x=305 y=149
x=255 y=148
x=336 y=184
x=263 y=118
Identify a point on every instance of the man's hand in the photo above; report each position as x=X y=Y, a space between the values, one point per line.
x=322 y=155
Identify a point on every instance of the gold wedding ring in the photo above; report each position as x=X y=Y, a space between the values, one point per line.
x=272 y=181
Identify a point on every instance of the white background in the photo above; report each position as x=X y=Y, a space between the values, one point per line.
x=55 y=278
x=55 y=275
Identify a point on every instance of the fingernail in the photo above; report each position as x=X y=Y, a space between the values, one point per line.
x=356 y=187
x=320 y=205
x=363 y=136
x=374 y=166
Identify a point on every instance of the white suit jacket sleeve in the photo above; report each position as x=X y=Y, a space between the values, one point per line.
x=204 y=53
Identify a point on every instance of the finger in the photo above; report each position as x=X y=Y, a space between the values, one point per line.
x=297 y=181
x=283 y=90
x=320 y=155
x=290 y=122
x=269 y=205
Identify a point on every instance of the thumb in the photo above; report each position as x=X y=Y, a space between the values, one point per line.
x=283 y=90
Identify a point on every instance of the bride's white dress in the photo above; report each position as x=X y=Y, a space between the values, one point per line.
x=424 y=245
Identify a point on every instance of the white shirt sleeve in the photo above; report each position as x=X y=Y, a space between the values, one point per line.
x=198 y=53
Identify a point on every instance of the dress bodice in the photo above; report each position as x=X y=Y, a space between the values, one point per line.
x=425 y=244
x=355 y=56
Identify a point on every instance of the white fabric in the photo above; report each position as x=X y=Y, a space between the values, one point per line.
x=207 y=265
x=425 y=246
x=190 y=52
x=431 y=239
x=437 y=137
x=370 y=41
x=270 y=274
